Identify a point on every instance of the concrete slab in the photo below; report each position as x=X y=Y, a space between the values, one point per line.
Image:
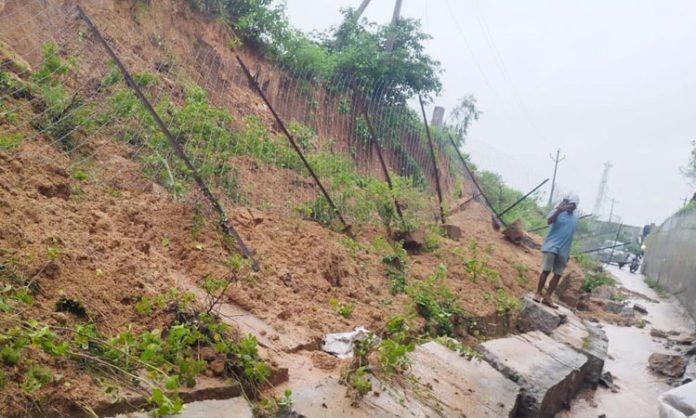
x=588 y=340
x=327 y=399
x=228 y=408
x=548 y=371
x=460 y=387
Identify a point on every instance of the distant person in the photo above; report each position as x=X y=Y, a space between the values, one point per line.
x=556 y=247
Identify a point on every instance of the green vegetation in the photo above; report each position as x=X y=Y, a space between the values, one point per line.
x=396 y=269
x=160 y=360
x=342 y=308
x=435 y=303
x=477 y=265
x=502 y=196
x=597 y=278
x=454 y=345
x=655 y=285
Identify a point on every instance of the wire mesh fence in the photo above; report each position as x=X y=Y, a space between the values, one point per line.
x=59 y=88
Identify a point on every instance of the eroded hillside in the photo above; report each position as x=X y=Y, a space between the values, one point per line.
x=117 y=279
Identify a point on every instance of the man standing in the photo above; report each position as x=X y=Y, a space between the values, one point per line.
x=556 y=247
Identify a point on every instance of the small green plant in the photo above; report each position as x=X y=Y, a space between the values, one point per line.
x=342 y=308
x=522 y=278
x=477 y=267
x=52 y=253
x=80 y=175
x=597 y=278
x=436 y=303
x=454 y=345
x=504 y=303
x=10 y=141
x=143 y=306
x=166 y=241
x=360 y=383
x=35 y=377
x=396 y=269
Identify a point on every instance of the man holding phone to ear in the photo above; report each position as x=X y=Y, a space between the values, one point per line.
x=556 y=247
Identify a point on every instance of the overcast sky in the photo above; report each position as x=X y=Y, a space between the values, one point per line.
x=601 y=80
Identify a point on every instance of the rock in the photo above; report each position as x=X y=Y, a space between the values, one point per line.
x=535 y=316
x=613 y=307
x=640 y=308
x=414 y=240
x=587 y=339
x=548 y=371
x=515 y=232
x=207 y=353
x=453 y=232
x=603 y=292
x=667 y=364
x=688 y=340
x=654 y=332
x=627 y=312
x=673 y=333
x=217 y=367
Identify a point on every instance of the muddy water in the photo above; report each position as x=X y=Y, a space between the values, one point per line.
x=629 y=349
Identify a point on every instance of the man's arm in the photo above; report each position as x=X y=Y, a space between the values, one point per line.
x=554 y=216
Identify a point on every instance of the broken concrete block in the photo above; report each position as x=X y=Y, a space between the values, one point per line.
x=536 y=316
x=453 y=232
x=462 y=387
x=667 y=364
x=548 y=371
x=588 y=340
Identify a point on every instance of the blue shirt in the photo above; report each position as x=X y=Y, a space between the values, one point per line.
x=560 y=235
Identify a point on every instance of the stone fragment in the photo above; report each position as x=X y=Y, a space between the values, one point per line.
x=515 y=232
x=536 y=316
x=603 y=292
x=640 y=308
x=453 y=232
x=667 y=364
x=654 y=332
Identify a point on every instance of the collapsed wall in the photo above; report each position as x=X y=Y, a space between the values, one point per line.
x=669 y=257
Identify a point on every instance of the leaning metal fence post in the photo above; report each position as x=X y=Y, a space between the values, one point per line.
x=224 y=221
x=432 y=154
x=346 y=227
x=373 y=136
x=476 y=183
x=521 y=199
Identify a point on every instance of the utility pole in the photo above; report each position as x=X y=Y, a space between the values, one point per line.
x=389 y=46
x=555 y=170
x=360 y=10
x=611 y=212
x=602 y=192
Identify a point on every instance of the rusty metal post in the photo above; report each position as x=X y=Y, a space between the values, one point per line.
x=476 y=183
x=346 y=227
x=373 y=136
x=432 y=154
x=520 y=200
x=224 y=221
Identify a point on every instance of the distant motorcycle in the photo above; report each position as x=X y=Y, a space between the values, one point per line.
x=634 y=265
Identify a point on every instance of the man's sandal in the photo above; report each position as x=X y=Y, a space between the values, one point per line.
x=549 y=303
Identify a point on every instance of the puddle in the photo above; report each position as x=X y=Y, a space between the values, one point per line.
x=629 y=349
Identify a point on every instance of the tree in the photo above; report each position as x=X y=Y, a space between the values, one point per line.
x=689 y=170
x=462 y=116
x=358 y=50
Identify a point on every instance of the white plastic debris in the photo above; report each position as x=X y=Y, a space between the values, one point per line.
x=679 y=402
x=341 y=344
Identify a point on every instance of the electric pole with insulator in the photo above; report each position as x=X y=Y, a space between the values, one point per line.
x=556 y=160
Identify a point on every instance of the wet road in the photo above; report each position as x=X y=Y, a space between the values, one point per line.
x=629 y=349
